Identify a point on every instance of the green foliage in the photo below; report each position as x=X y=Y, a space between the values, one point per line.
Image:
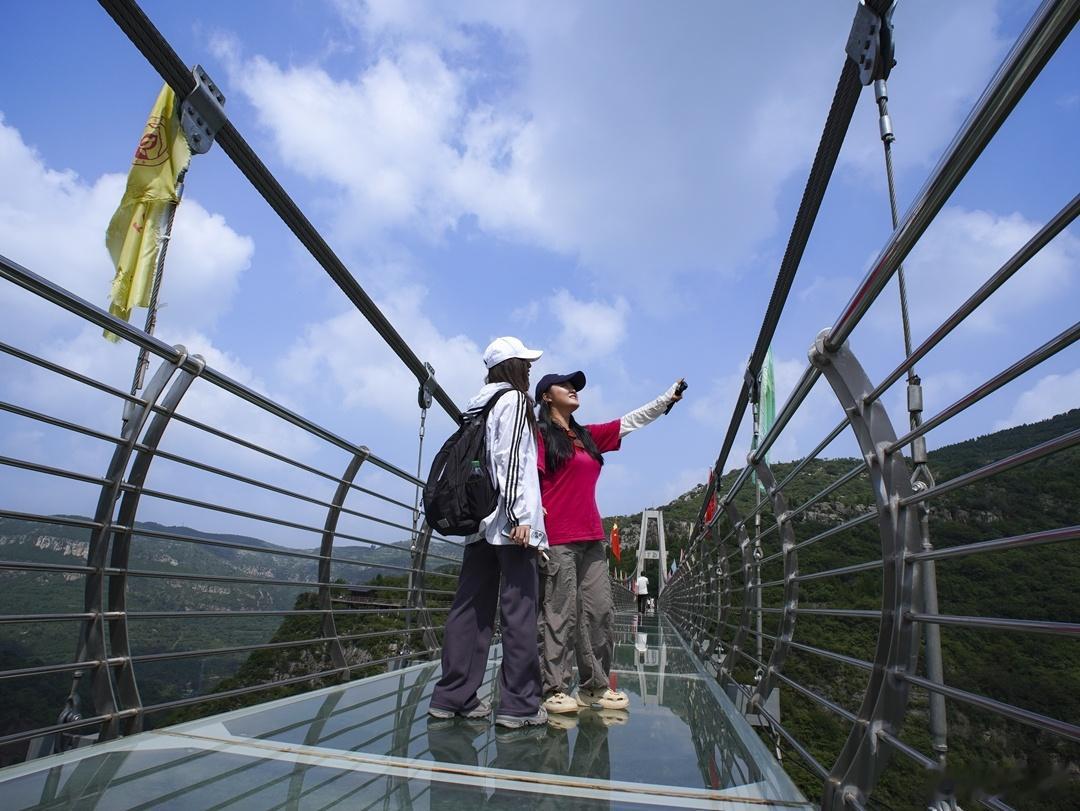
x=1040 y=673
x=381 y=633
x=36 y=702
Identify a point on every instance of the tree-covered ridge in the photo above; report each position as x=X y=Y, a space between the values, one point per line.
x=28 y=703
x=1036 y=672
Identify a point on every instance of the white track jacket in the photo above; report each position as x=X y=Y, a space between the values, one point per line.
x=511 y=447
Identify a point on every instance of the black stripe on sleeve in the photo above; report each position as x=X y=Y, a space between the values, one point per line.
x=512 y=475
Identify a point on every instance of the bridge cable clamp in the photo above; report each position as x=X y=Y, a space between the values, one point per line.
x=870 y=43
x=424 y=396
x=753 y=383
x=202 y=113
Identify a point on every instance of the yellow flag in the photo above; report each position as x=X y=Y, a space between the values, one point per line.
x=135 y=232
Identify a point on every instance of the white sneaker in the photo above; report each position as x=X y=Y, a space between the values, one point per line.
x=560 y=702
x=603 y=699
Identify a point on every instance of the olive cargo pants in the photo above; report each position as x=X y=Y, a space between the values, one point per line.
x=576 y=616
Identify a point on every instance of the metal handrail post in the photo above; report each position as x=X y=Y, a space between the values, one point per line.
x=126 y=682
x=92 y=638
x=326 y=554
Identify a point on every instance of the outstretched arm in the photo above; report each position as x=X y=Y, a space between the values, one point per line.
x=649 y=412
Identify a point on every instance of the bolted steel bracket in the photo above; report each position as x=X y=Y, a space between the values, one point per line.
x=202 y=112
x=753 y=384
x=870 y=43
x=424 y=396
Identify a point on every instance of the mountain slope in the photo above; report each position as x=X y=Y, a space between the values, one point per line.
x=1036 y=672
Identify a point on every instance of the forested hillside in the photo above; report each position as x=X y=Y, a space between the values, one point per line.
x=1036 y=672
x=36 y=701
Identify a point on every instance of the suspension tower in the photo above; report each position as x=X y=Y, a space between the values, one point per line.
x=659 y=554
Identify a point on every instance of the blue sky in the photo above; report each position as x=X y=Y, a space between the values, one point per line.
x=614 y=183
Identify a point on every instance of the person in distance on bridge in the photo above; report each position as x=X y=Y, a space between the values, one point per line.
x=569 y=457
x=642 y=589
x=506 y=545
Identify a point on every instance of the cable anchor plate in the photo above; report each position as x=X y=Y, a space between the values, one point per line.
x=424 y=396
x=870 y=43
x=202 y=113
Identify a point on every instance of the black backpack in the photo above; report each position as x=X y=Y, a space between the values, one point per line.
x=459 y=492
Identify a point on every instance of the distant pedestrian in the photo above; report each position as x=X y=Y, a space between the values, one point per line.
x=642 y=593
x=498 y=569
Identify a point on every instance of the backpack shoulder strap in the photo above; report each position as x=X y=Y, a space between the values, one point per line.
x=490 y=404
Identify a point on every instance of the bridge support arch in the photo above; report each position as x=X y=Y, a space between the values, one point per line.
x=863 y=756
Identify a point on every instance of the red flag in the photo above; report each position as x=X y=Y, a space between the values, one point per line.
x=710 y=508
x=616 y=550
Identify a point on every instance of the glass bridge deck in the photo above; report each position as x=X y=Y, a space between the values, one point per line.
x=370 y=745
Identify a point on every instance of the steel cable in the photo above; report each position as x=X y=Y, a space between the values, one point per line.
x=150 y=42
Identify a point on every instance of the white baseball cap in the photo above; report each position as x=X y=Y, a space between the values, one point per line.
x=505 y=348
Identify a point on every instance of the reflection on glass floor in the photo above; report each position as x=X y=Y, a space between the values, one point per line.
x=371 y=745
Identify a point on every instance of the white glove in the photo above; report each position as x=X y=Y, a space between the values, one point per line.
x=641 y=417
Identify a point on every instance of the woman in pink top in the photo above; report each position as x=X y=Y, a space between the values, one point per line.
x=569 y=458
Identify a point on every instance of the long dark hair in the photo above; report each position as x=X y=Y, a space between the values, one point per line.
x=558 y=447
x=515 y=371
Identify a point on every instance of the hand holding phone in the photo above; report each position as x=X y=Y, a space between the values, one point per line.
x=524 y=535
x=519 y=534
x=678 y=394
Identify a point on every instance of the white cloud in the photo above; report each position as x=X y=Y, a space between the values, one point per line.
x=344 y=355
x=1051 y=395
x=344 y=352
x=527 y=314
x=398 y=142
x=589 y=330
x=53 y=223
x=963 y=248
x=598 y=141
x=203 y=267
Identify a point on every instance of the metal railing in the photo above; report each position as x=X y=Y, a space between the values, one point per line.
x=862 y=577
x=311 y=498
x=349 y=609
x=740 y=598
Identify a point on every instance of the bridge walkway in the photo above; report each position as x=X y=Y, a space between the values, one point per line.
x=370 y=744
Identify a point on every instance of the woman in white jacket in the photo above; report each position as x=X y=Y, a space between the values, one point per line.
x=499 y=566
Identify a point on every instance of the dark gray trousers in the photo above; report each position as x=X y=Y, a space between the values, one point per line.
x=577 y=615
x=471 y=622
